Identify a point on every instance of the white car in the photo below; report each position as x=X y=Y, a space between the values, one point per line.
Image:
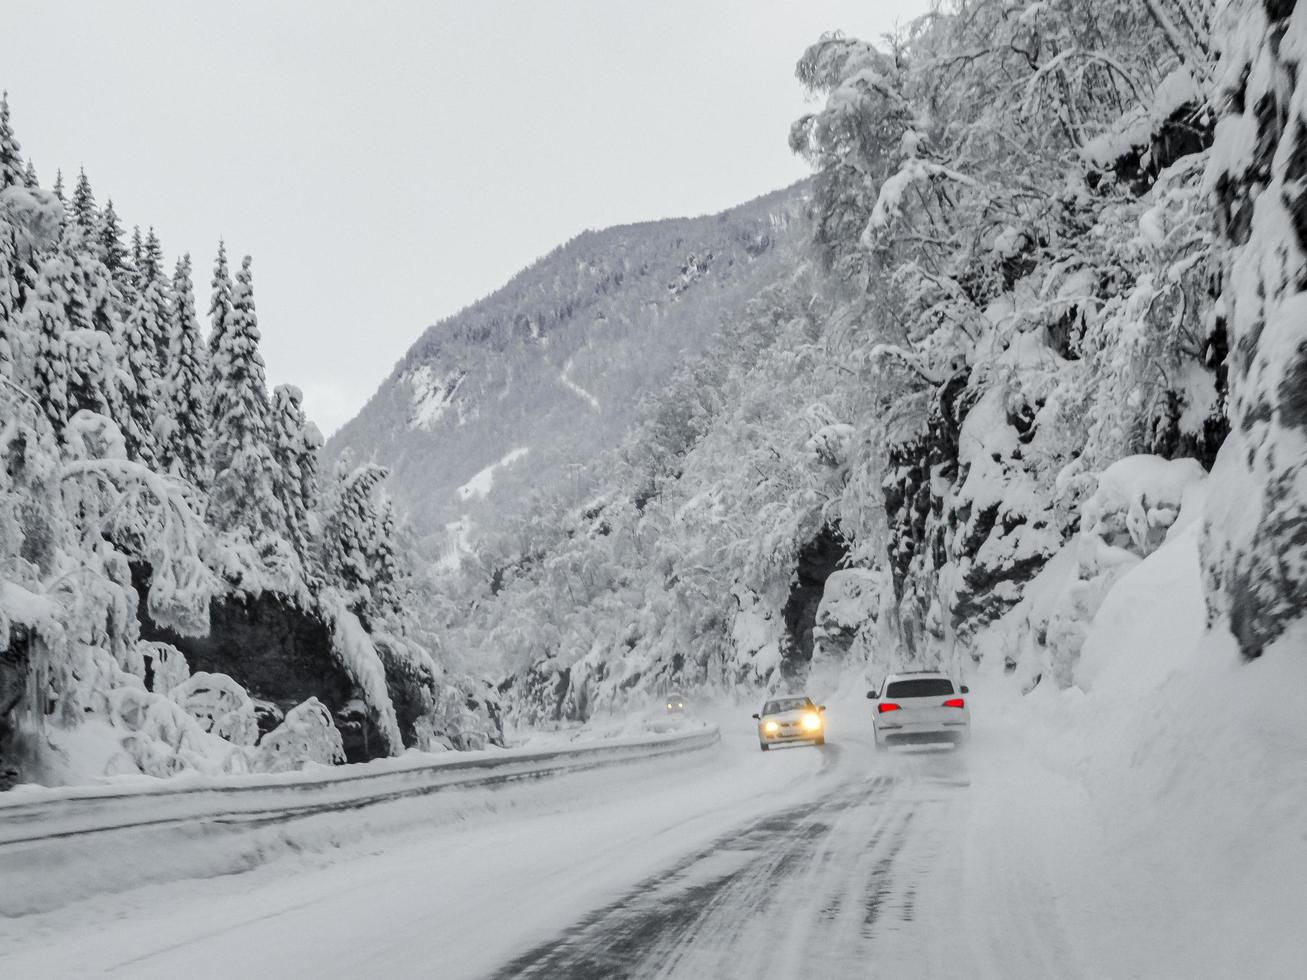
x=675 y=703
x=794 y=718
x=920 y=706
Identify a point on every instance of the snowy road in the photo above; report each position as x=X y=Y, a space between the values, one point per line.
x=729 y=863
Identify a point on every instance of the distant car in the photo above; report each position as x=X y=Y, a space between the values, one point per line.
x=920 y=706
x=675 y=703
x=790 y=719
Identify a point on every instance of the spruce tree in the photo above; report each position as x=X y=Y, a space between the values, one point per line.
x=145 y=352
x=359 y=552
x=112 y=251
x=29 y=176
x=85 y=215
x=185 y=435
x=295 y=445
x=45 y=314
x=219 y=303
x=59 y=186
x=11 y=158
x=241 y=459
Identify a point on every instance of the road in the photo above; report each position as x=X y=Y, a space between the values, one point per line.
x=825 y=861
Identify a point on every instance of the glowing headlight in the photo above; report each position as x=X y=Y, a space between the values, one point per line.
x=669 y=707
x=812 y=722
x=771 y=727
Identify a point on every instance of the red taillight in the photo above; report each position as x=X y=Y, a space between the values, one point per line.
x=955 y=703
x=882 y=708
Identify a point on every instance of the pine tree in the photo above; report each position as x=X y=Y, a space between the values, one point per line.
x=29 y=176
x=295 y=446
x=241 y=459
x=183 y=439
x=45 y=313
x=85 y=215
x=59 y=186
x=219 y=304
x=11 y=160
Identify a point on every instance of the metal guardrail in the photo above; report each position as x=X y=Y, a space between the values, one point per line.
x=63 y=846
x=99 y=812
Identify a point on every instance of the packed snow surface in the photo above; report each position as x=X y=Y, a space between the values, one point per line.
x=1124 y=832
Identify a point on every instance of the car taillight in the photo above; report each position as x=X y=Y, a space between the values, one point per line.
x=886 y=706
x=955 y=703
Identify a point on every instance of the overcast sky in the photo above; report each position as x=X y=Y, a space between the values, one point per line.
x=387 y=163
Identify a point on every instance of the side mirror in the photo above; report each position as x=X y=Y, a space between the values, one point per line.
x=965 y=689
x=822 y=708
x=871 y=695
x=753 y=716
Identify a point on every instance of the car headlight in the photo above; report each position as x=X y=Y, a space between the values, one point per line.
x=770 y=727
x=812 y=721
x=669 y=707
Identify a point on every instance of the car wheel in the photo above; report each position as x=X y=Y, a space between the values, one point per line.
x=820 y=740
x=764 y=746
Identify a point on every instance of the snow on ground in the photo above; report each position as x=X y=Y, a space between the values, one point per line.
x=566 y=378
x=1109 y=834
x=457 y=544
x=432 y=395
x=481 y=484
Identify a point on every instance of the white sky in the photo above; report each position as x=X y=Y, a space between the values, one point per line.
x=387 y=163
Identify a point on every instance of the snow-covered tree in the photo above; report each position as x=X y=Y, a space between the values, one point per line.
x=359 y=553
x=11 y=157
x=296 y=443
x=183 y=431
x=45 y=314
x=219 y=304
x=145 y=351
x=110 y=236
x=241 y=454
x=83 y=212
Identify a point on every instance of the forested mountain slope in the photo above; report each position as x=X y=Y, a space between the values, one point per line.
x=996 y=382
x=519 y=389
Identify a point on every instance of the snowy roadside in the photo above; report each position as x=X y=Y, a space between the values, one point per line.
x=1162 y=799
x=442 y=885
x=60 y=844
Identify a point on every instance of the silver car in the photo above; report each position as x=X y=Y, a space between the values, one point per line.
x=785 y=720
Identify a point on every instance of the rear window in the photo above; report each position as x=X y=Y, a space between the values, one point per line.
x=919 y=687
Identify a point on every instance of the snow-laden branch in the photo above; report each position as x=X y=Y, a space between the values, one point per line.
x=914 y=172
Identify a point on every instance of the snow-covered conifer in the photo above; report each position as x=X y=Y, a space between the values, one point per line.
x=219 y=303
x=295 y=445
x=145 y=351
x=85 y=215
x=30 y=180
x=112 y=251
x=59 y=186
x=183 y=431
x=241 y=458
x=359 y=552
x=11 y=158
x=46 y=315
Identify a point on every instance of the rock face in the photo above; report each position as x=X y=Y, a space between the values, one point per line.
x=279 y=653
x=1255 y=551
x=818 y=560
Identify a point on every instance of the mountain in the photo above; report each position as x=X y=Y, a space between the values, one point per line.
x=523 y=388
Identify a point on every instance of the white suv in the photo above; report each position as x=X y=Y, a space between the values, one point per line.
x=920 y=706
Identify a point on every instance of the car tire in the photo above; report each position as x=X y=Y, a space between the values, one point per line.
x=764 y=746
x=820 y=740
